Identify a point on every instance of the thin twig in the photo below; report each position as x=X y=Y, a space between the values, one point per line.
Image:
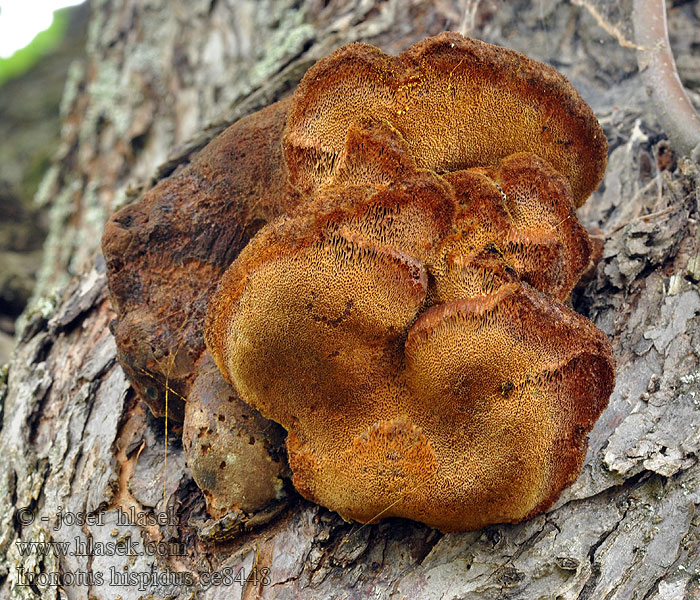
x=658 y=213
x=469 y=17
x=609 y=28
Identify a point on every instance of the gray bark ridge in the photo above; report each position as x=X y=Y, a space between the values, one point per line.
x=75 y=440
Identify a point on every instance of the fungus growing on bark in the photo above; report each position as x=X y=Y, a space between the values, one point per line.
x=401 y=317
x=164 y=256
x=391 y=323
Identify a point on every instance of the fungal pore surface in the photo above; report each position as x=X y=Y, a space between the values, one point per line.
x=401 y=314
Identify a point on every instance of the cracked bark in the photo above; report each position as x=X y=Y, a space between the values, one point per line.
x=160 y=82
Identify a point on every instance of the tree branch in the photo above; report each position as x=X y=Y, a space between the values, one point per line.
x=658 y=68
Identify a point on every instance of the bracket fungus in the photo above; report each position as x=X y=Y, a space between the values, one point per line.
x=400 y=314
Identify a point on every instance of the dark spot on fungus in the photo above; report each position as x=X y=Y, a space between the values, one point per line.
x=506 y=388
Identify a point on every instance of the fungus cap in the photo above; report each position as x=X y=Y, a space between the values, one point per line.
x=458 y=102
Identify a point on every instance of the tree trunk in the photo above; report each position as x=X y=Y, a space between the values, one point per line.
x=163 y=78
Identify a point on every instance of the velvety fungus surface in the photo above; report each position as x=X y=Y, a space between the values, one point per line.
x=402 y=313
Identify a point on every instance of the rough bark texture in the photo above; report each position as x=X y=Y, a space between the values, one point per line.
x=30 y=132
x=76 y=439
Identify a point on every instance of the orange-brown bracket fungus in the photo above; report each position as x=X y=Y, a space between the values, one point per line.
x=401 y=313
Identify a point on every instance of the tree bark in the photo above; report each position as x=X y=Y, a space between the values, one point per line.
x=161 y=80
